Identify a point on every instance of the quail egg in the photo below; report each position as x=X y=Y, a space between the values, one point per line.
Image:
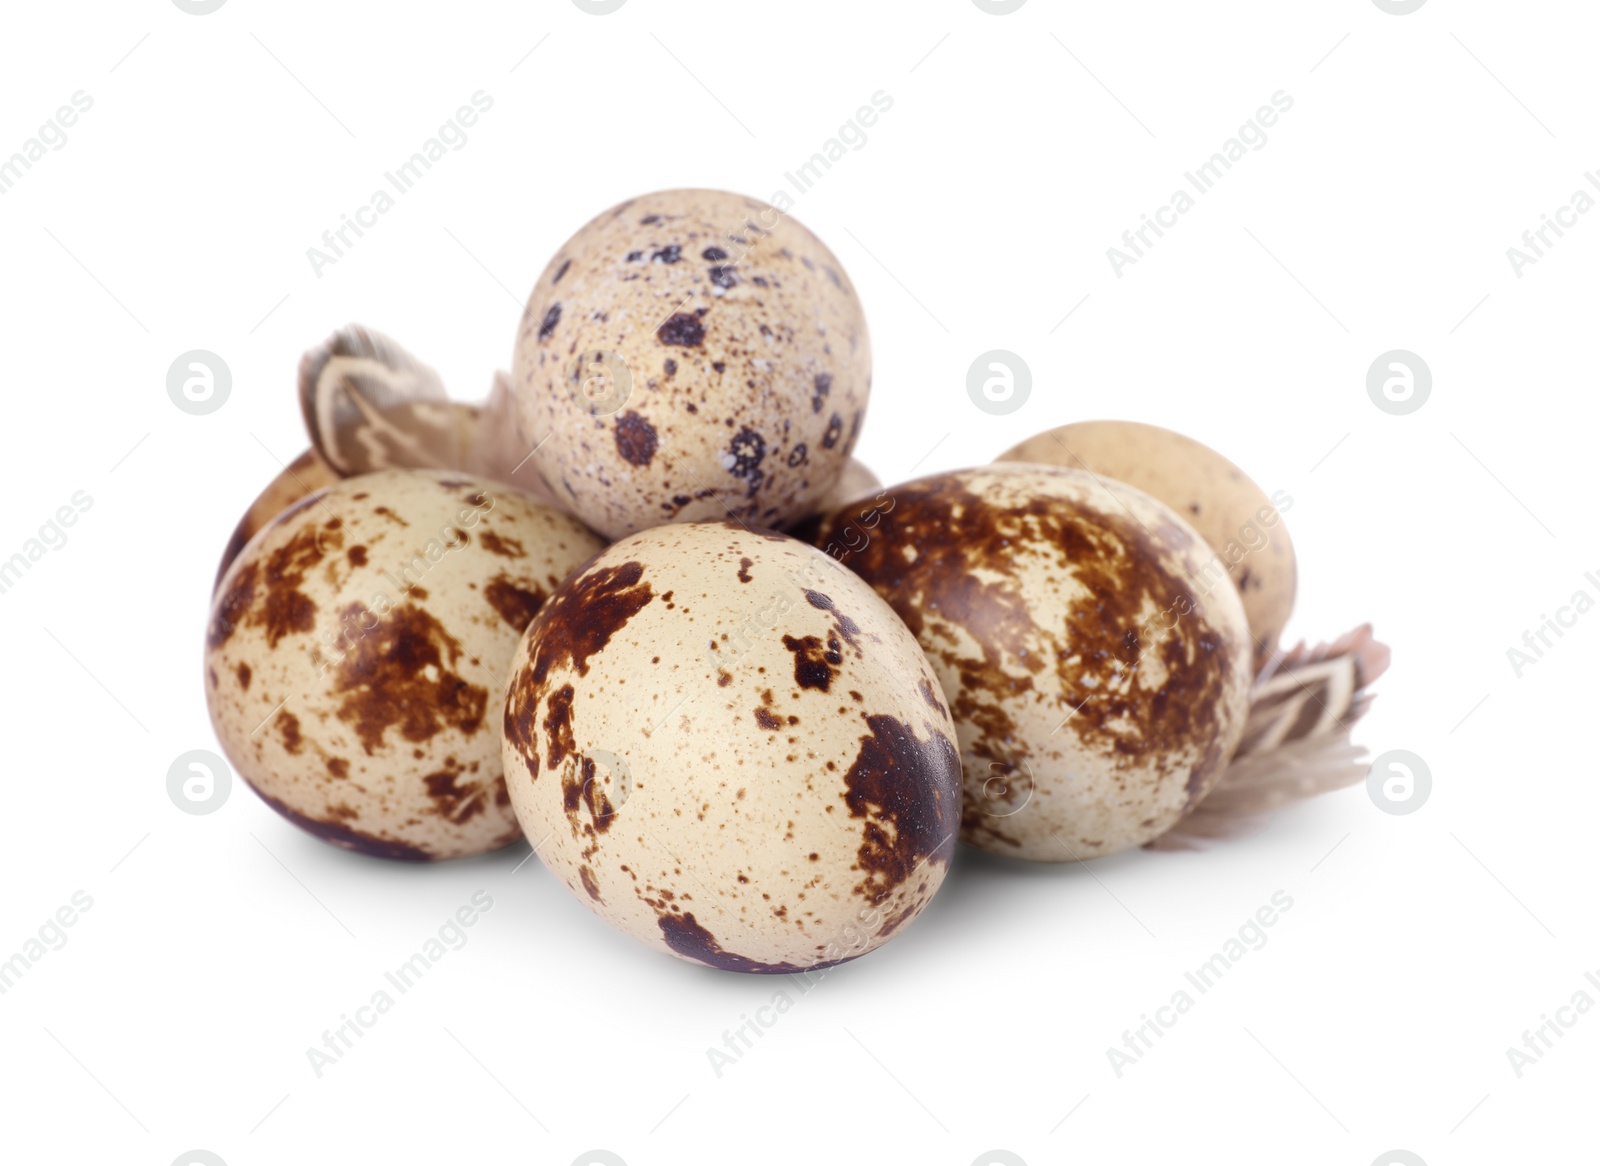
x=357 y=649
x=730 y=748
x=688 y=355
x=1096 y=662
x=305 y=475
x=1242 y=525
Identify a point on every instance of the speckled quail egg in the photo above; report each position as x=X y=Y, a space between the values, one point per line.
x=730 y=748
x=309 y=472
x=358 y=647
x=305 y=475
x=1242 y=525
x=1097 y=666
x=690 y=355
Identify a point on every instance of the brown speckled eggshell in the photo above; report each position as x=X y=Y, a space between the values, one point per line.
x=357 y=648
x=745 y=349
x=1233 y=514
x=1098 y=675
x=732 y=750
x=307 y=474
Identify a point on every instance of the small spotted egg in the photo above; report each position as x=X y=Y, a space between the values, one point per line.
x=356 y=651
x=732 y=750
x=1097 y=666
x=1243 y=527
x=305 y=475
x=689 y=355
x=309 y=472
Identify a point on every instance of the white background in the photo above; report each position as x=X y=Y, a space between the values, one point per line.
x=977 y=216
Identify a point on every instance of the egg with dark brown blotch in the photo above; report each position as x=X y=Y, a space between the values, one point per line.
x=1241 y=524
x=307 y=474
x=729 y=748
x=1097 y=663
x=692 y=355
x=357 y=651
